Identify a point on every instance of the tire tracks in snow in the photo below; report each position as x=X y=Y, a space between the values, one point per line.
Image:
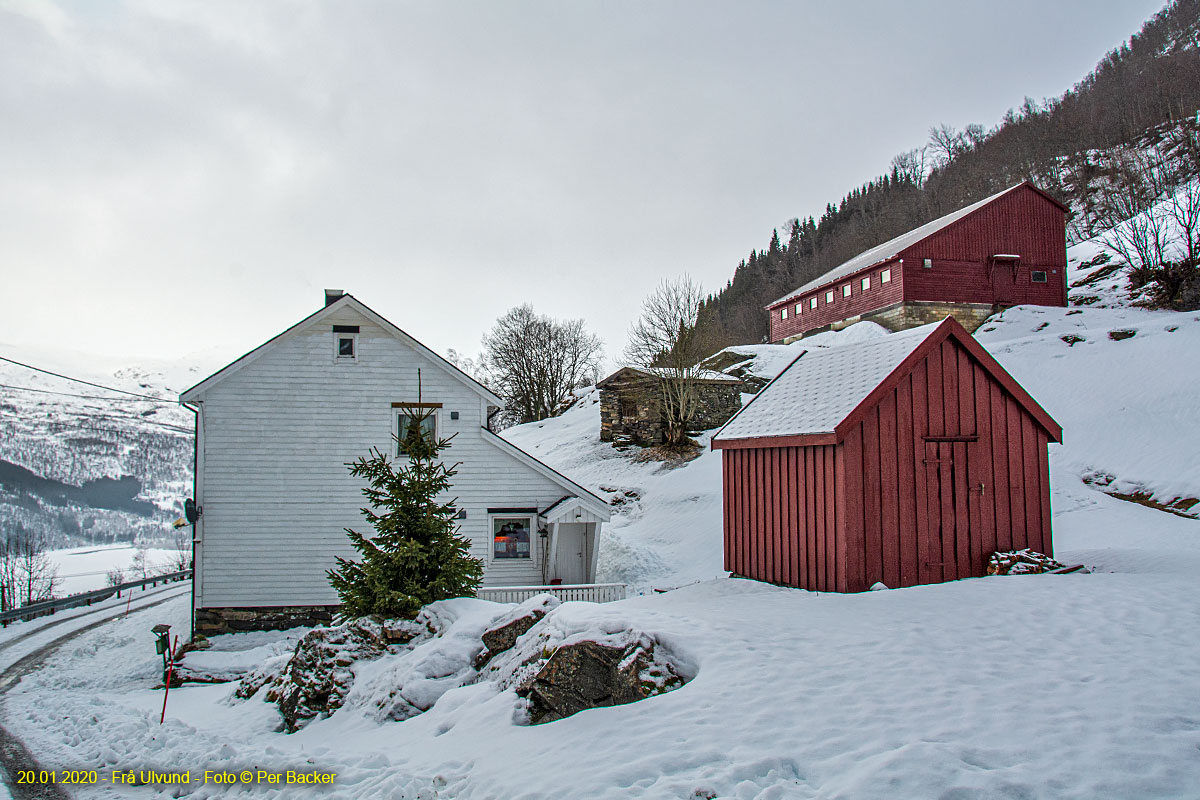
x=14 y=755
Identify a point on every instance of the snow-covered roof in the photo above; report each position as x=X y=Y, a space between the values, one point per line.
x=893 y=247
x=699 y=375
x=822 y=387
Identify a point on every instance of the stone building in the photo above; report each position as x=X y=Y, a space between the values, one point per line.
x=630 y=411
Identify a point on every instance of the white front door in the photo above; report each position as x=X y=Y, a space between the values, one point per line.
x=572 y=553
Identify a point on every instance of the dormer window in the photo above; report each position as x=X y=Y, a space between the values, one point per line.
x=345 y=342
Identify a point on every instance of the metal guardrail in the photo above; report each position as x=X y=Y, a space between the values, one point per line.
x=87 y=598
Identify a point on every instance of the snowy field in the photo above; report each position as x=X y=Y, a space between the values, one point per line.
x=1075 y=686
x=82 y=569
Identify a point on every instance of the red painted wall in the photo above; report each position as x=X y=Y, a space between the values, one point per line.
x=1023 y=222
x=859 y=302
x=888 y=505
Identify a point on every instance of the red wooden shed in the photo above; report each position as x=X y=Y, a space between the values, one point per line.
x=904 y=459
x=1005 y=250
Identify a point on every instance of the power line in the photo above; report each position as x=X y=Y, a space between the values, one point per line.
x=80 y=380
x=82 y=396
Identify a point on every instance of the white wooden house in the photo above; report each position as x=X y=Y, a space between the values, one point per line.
x=275 y=430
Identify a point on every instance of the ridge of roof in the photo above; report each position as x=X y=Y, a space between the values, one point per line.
x=362 y=308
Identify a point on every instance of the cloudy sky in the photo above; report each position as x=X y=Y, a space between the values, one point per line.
x=188 y=176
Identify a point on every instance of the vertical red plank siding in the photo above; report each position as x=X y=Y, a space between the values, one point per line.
x=868 y=488
x=1044 y=491
x=888 y=503
x=889 y=488
x=1016 y=476
x=906 y=477
x=852 y=546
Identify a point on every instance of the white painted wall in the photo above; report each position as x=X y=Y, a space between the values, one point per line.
x=276 y=435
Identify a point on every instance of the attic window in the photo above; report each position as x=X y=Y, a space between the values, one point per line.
x=783 y=313
x=798 y=307
x=345 y=342
x=812 y=302
x=927 y=263
x=846 y=290
x=1039 y=276
x=885 y=276
x=866 y=283
x=828 y=298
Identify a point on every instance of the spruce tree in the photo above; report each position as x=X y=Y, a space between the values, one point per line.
x=416 y=555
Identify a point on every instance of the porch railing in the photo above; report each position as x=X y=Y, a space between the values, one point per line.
x=592 y=592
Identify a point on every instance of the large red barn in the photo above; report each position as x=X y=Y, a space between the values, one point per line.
x=904 y=459
x=1008 y=249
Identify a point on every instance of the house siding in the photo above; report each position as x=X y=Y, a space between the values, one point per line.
x=274 y=487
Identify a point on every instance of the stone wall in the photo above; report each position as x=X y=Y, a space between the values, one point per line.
x=912 y=314
x=629 y=412
x=211 y=621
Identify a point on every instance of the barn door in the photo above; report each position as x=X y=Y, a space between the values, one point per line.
x=945 y=554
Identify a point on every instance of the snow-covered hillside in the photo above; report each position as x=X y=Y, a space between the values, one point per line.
x=81 y=465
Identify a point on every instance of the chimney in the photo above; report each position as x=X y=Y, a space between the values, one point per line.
x=333 y=295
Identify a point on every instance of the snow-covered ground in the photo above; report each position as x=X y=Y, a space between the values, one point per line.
x=82 y=569
x=1036 y=686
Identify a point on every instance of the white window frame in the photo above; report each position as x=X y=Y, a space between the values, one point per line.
x=783 y=313
x=885 y=276
x=846 y=290
x=829 y=297
x=812 y=302
x=866 y=283
x=927 y=263
x=404 y=412
x=799 y=306
x=534 y=536
x=338 y=358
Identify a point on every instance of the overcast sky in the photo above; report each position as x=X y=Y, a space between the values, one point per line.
x=188 y=176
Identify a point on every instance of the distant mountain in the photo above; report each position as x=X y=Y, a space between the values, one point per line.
x=82 y=465
x=1143 y=97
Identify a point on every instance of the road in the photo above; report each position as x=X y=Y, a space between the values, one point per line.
x=28 y=649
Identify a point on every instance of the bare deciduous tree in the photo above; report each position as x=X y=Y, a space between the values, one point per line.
x=536 y=363
x=27 y=575
x=667 y=339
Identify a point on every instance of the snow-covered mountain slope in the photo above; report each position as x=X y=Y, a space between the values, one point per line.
x=83 y=465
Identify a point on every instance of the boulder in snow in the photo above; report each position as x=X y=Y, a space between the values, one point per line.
x=503 y=635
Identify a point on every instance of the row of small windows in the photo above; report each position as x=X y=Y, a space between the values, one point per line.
x=885 y=276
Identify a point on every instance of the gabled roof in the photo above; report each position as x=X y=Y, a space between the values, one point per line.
x=893 y=247
x=825 y=392
x=346 y=300
x=703 y=375
x=586 y=498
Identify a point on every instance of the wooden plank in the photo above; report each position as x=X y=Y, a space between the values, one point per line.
x=790 y=541
x=1004 y=535
x=818 y=485
x=929 y=548
x=416 y=405
x=853 y=517
x=1044 y=492
x=920 y=427
x=889 y=507
x=774 y=508
x=946 y=493
x=831 y=517
x=1032 y=484
x=950 y=387
x=868 y=490
x=1016 y=475
x=934 y=394
x=906 y=484
x=963 y=567
x=810 y=521
x=982 y=464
